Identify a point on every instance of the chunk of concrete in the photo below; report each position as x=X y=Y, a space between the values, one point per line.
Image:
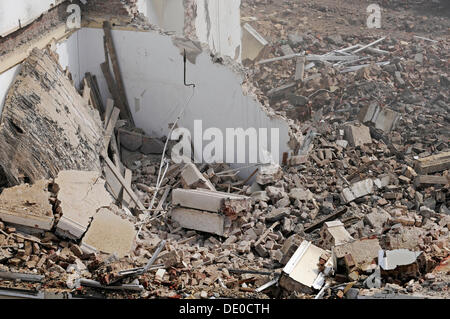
x=302 y=271
x=334 y=234
x=211 y=201
x=192 y=178
x=383 y=118
x=254 y=46
x=27 y=205
x=151 y=145
x=80 y=195
x=357 y=135
x=277 y=214
x=199 y=220
x=391 y=259
x=377 y=219
x=110 y=234
x=363 y=251
x=357 y=190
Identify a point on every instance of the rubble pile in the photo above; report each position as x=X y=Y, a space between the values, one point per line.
x=360 y=209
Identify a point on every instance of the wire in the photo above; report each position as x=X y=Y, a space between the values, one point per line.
x=160 y=178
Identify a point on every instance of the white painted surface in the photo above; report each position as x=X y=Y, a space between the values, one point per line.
x=218 y=24
x=166 y=14
x=152 y=70
x=6 y=79
x=69 y=57
x=11 y=11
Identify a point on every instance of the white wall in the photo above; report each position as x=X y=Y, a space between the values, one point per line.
x=25 y=10
x=219 y=24
x=6 y=79
x=152 y=70
x=68 y=57
x=167 y=14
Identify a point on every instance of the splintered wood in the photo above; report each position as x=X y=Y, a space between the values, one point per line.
x=46 y=126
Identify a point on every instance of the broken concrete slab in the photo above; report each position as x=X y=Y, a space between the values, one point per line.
x=27 y=205
x=391 y=259
x=151 y=145
x=357 y=190
x=80 y=195
x=302 y=272
x=334 y=234
x=268 y=174
x=357 y=135
x=277 y=214
x=211 y=201
x=199 y=220
x=109 y=233
x=382 y=118
x=254 y=46
x=377 y=219
x=192 y=178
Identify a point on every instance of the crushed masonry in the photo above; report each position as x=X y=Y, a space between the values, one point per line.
x=357 y=207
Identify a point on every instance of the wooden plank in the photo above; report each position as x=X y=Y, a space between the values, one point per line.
x=110 y=128
x=108 y=112
x=112 y=87
x=116 y=172
x=96 y=98
x=431 y=180
x=126 y=200
x=434 y=163
x=86 y=92
x=125 y=109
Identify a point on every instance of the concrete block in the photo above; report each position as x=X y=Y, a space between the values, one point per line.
x=109 y=233
x=199 y=220
x=211 y=201
x=334 y=234
x=27 y=205
x=192 y=178
x=357 y=190
x=383 y=118
x=357 y=135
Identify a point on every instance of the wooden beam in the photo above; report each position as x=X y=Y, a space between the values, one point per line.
x=116 y=172
x=110 y=128
x=434 y=163
x=431 y=180
x=108 y=112
x=126 y=199
x=124 y=107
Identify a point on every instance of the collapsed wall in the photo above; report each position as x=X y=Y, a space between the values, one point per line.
x=46 y=126
x=152 y=69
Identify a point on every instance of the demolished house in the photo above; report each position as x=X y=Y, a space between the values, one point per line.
x=346 y=197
